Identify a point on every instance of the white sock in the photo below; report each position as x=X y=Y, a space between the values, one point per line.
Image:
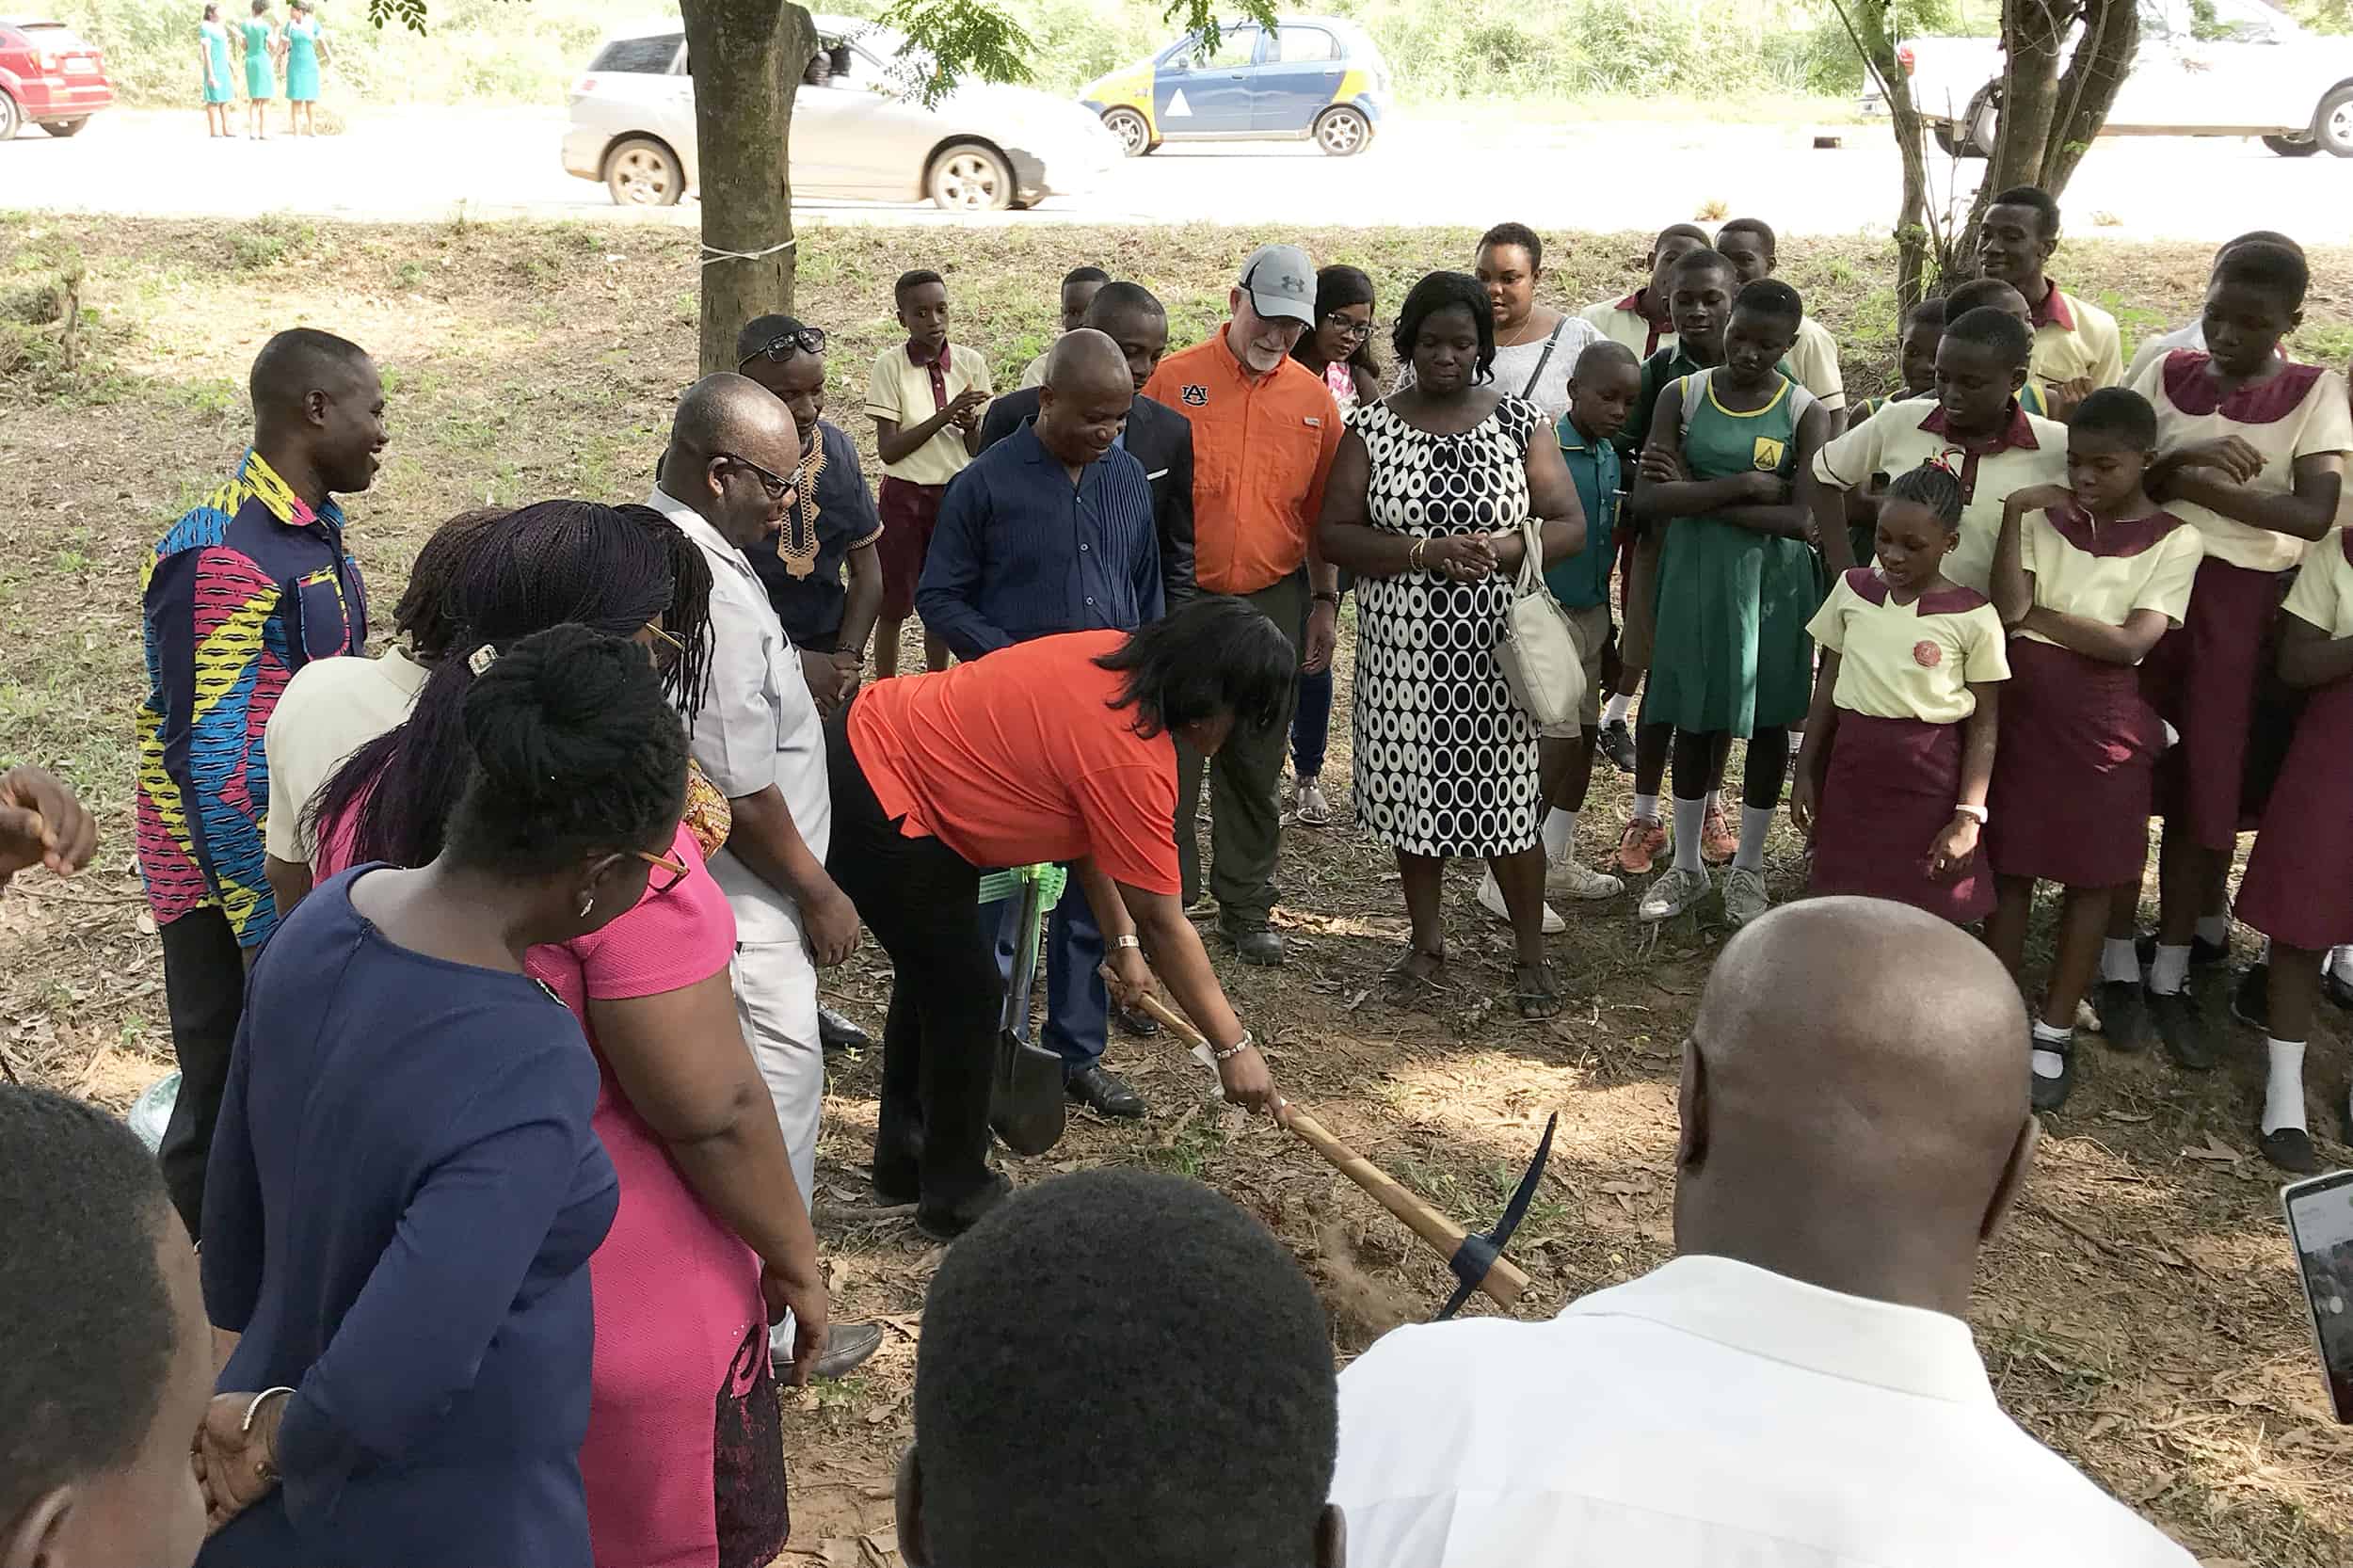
x=1690 y=816
x=1646 y=808
x=1755 y=825
x=2172 y=736
x=2120 y=960
x=2341 y=962
x=1560 y=829
x=2169 y=971
x=2048 y=1063
x=1716 y=801
x=2283 y=1093
x=2215 y=930
x=1620 y=706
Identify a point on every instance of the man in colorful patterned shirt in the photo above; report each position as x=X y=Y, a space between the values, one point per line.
x=253 y=583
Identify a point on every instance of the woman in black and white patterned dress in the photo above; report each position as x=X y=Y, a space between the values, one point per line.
x=1425 y=504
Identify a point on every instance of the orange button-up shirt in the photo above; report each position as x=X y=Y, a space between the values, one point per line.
x=1262 y=447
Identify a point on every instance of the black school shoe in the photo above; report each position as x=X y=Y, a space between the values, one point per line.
x=2290 y=1149
x=1617 y=744
x=2123 y=1016
x=948 y=1222
x=2335 y=989
x=2183 y=1025
x=2049 y=1093
x=2250 y=998
x=836 y=1033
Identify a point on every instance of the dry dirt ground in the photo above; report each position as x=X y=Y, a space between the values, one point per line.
x=2141 y=1314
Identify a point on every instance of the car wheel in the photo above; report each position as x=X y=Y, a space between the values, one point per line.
x=641 y=172
x=1974 y=136
x=1135 y=137
x=64 y=127
x=970 y=177
x=1343 y=133
x=2293 y=147
x=2332 y=127
x=9 y=118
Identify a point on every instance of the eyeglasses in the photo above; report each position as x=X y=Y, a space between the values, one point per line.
x=778 y=489
x=805 y=340
x=656 y=882
x=669 y=649
x=1348 y=326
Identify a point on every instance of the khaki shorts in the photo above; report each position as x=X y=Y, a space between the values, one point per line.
x=1639 y=633
x=1589 y=626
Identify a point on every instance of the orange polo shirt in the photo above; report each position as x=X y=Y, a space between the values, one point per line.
x=1262 y=447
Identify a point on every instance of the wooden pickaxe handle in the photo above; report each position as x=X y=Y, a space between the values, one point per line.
x=1504 y=1282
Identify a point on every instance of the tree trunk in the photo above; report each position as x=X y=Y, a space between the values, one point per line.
x=745 y=57
x=2102 y=56
x=2033 y=32
x=1916 y=235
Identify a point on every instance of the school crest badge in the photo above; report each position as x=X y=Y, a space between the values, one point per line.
x=1768 y=454
x=1196 y=396
x=1927 y=654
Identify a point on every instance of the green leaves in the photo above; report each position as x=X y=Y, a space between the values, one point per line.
x=951 y=40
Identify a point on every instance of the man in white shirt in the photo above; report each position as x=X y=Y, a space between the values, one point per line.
x=1796 y=1388
x=725 y=482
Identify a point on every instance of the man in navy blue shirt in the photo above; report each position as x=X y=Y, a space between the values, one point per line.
x=1050 y=530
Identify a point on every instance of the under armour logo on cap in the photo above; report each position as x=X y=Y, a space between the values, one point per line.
x=1281 y=282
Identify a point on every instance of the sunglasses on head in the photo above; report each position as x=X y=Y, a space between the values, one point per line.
x=805 y=340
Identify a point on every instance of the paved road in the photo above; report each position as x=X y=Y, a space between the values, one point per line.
x=421 y=164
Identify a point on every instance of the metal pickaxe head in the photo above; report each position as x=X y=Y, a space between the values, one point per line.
x=1480 y=1250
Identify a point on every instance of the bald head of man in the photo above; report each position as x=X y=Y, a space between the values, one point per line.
x=733 y=448
x=318 y=412
x=1854 y=1103
x=1083 y=406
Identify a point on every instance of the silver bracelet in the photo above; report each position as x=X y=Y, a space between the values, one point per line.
x=246 y=1427
x=1245 y=1043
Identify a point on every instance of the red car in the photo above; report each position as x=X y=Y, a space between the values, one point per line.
x=49 y=76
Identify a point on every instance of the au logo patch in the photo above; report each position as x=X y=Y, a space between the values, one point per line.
x=1770 y=454
x=1196 y=396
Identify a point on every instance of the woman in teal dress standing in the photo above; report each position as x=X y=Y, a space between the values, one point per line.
x=305 y=49
x=261 y=71
x=216 y=71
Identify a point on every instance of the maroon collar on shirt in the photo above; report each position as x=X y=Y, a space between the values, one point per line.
x=2018 y=435
x=2115 y=540
x=1634 y=302
x=2190 y=389
x=1870 y=586
x=2053 y=312
x=938 y=368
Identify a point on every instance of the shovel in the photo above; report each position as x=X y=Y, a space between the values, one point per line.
x=1025 y=1094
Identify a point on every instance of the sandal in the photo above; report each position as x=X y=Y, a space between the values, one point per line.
x=1406 y=983
x=1539 y=999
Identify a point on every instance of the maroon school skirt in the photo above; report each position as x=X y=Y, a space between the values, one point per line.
x=2298 y=889
x=2201 y=676
x=1888 y=792
x=2073 y=771
x=909 y=512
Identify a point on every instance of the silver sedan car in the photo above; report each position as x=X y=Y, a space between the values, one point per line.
x=855 y=135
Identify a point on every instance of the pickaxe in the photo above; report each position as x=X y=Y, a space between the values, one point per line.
x=1476 y=1258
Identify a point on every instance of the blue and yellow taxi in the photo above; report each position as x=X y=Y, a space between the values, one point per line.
x=1306 y=78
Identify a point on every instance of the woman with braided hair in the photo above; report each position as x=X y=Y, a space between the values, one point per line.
x=712 y=1239
x=406 y=1187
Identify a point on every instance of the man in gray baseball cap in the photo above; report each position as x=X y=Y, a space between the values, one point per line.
x=1264 y=433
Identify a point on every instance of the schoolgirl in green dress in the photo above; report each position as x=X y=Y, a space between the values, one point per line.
x=305 y=48
x=216 y=70
x=1738 y=583
x=261 y=71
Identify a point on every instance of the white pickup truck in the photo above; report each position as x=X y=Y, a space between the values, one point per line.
x=2212 y=68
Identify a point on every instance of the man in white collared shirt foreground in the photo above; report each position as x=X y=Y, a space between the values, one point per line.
x=1796 y=1388
x=725 y=484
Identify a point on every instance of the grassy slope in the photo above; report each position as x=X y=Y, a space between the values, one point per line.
x=2141 y=1314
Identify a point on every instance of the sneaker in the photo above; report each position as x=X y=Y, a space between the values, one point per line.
x=1718 y=842
x=1677 y=888
x=1744 y=896
x=1580 y=881
x=1640 y=845
x=1617 y=744
x=2250 y=998
x=2182 y=1025
x=2125 y=1015
x=1314 y=810
x=1491 y=899
x=2050 y=1092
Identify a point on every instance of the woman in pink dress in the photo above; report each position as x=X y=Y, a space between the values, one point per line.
x=683 y=1462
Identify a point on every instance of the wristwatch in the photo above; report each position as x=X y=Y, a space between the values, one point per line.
x=1965 y=810
x=1130 y=940
x=1333 y=600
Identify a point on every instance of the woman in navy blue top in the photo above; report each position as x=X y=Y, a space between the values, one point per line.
x=404 y=1189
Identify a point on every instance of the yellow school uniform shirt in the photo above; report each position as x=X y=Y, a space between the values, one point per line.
x=1813 y=361
x=2028 y=450
x=2323 y=593
x=2073 y=338
x=909 y=391
x=2105 y=572
x=1910 y=661
x=2298 y=413
x=1622 y=321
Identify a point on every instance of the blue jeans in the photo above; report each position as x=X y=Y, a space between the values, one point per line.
x=1078 y=1007
x=1311 y=723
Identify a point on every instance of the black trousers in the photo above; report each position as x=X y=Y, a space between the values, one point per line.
x=205 y=994
x=921 y=899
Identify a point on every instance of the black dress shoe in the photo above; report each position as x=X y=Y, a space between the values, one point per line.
x=836 y=1033
x=2049 y=1093
x=946 y=1222
x=2250 y=998
x=2182 y=1026
x=2123 y=1016
x=1617 y=744
x=1143 y=1026
x=1257 y=944
x=1103 y=1092
x=2291 y=1150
